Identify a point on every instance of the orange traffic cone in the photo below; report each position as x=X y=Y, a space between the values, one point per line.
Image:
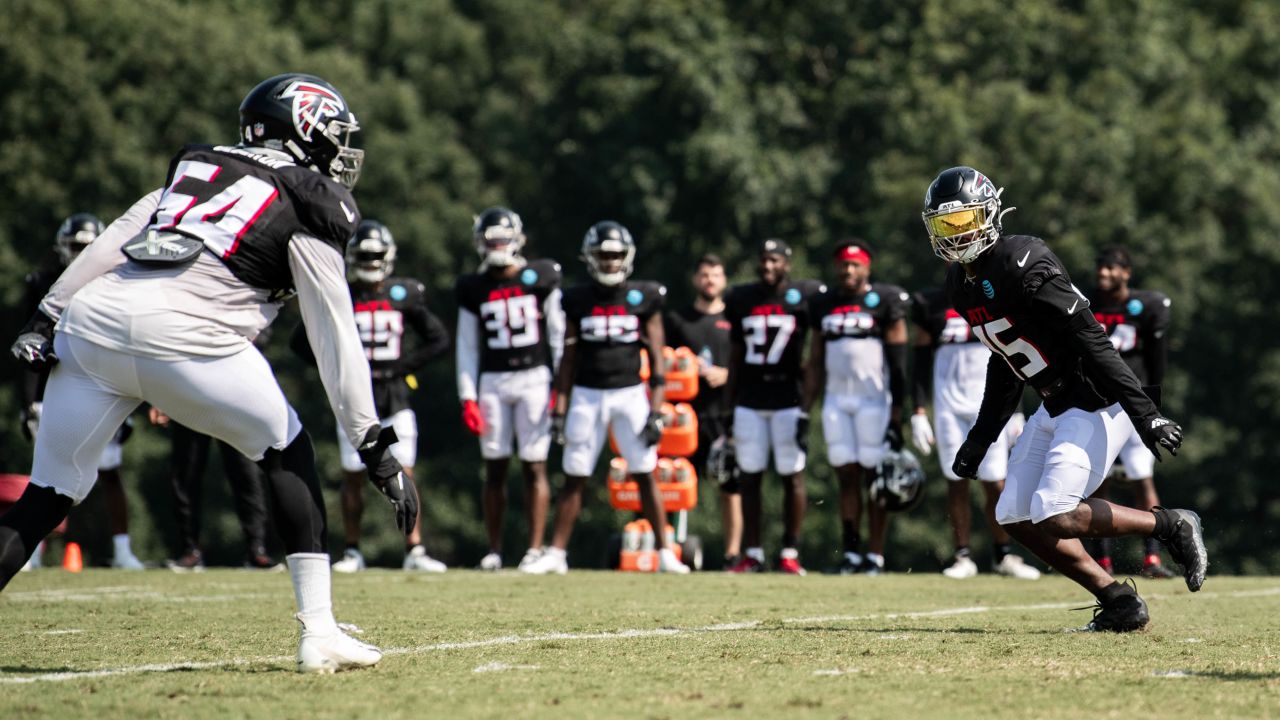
x=71 y=559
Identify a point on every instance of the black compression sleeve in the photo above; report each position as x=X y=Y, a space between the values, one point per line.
x=435 y=339
x=1000 y=398
x=896 y=355
x=1106 y=368
x=922 y=374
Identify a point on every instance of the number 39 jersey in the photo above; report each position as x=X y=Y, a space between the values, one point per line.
x=246 y=206
x=610 y=327
x=512 y=324
x=771 y=322
x=1021 y=303
x=959 y=358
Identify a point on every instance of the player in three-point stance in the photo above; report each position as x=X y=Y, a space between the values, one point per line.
x=510 y=338
x=1020 y=302
x=598 y=387
x=163 y=308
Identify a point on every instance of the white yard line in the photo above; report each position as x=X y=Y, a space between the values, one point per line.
x=569 y=636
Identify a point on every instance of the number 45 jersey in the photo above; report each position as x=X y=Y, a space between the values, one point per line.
x=512 y=316
x=771 y=322
x=610 y=327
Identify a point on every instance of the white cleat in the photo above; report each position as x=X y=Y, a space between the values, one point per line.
x=324 y=652
x=669 y=563
x=551 y=562
x=127 y=561
x=417 y=560
x=1015 y=567
x=491 y=562
x=352 y=562
x=530 y=557
x=962 y=569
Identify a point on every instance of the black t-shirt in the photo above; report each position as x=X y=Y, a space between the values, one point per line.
x=866 y=314
x=707 y=335
x=771 y=323
x=610 y=329
x=1138 y=327
x=509 y=310
x=1021 y=304
x=245 y=207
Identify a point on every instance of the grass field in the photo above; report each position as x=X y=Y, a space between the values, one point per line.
x=596 y=644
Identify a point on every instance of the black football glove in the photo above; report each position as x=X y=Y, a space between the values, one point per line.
x=968 y=458
x=802 y=431
x=893 y=436
x=557 y=429
x=34 y=345
x=651 y=433
x=386 y=474
x=1161 y=432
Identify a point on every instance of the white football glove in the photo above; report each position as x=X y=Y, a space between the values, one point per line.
x=921 y=433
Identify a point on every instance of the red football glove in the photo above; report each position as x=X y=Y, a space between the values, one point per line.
x=472 y=418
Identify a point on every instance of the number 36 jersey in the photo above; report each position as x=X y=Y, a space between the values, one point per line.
x=609 y=323
x=512 y=315
x=771 y=323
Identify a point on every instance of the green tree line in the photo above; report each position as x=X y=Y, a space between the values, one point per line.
x=707 y=125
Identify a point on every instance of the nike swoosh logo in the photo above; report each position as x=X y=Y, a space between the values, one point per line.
x=351 y=217
x=1023 y=261
x=1073 y=307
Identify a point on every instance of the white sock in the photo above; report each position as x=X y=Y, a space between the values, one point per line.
x=121 y=543
x=557 y=552
x=310 y=574
x=853 y=558
x=876 y=558
x=789 y=554
x=756 y=554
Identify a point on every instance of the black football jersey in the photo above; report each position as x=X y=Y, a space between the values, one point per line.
x=707 y=335
x=1022 y=305
x=865 y=315
x=771 y=323
x=384 y=313
x=246 y=206
x=510 y=311
x=932 y=312
x=610 y=327
x=1138 y=327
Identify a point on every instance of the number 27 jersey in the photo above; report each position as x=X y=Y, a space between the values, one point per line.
x=512 y=322
x=771 y=323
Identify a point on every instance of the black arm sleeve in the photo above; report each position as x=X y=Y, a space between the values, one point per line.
x=922 y=374
x=896 y=355
x=434 y=336
x=1155 y=343
x=1107 y=370
x=1000 y=399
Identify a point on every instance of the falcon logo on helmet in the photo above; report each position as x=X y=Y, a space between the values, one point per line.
x=899 y=481
x=962 y=214
x=371 y=254
x=499 y=237
x=306 y=117
x=311 y=105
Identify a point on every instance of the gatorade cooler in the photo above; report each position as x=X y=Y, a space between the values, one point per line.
x=682 y=373
x=639 y=547
x=677 y=484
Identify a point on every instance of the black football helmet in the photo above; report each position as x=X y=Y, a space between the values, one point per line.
x=962 y=213
x=499 y=236
x=899 y=481
x=75 y=234
x=371 y=254
x=307 y=118
x=610 y=252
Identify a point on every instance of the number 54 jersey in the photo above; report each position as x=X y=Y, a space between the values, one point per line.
x=512 y=315
x=771 y=322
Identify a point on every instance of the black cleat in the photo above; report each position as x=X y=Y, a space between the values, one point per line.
x=1186 y=546
x=1124 y=613
x=846 y=567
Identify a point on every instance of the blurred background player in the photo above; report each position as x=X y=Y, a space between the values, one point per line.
x=1138 y=323
x=949 y=357
x=510 y=339
x=187 y=460
x=703 y=328
x=386 y=309
x=598 y=386
x=73 y=236
x=769 y=320
x=858 y=358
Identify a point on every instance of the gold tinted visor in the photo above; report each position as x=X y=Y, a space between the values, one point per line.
x=957 y=222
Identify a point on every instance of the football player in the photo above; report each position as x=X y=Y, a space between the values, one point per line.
x=598 y=387
x=769 y=321
x=510 y=338
x=949 y=357
x=1016 y=296
x=1138 y=323
x=386 y=308
x=858 y=360
x=702 y=327
x=163 y=307
x=73 y=236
